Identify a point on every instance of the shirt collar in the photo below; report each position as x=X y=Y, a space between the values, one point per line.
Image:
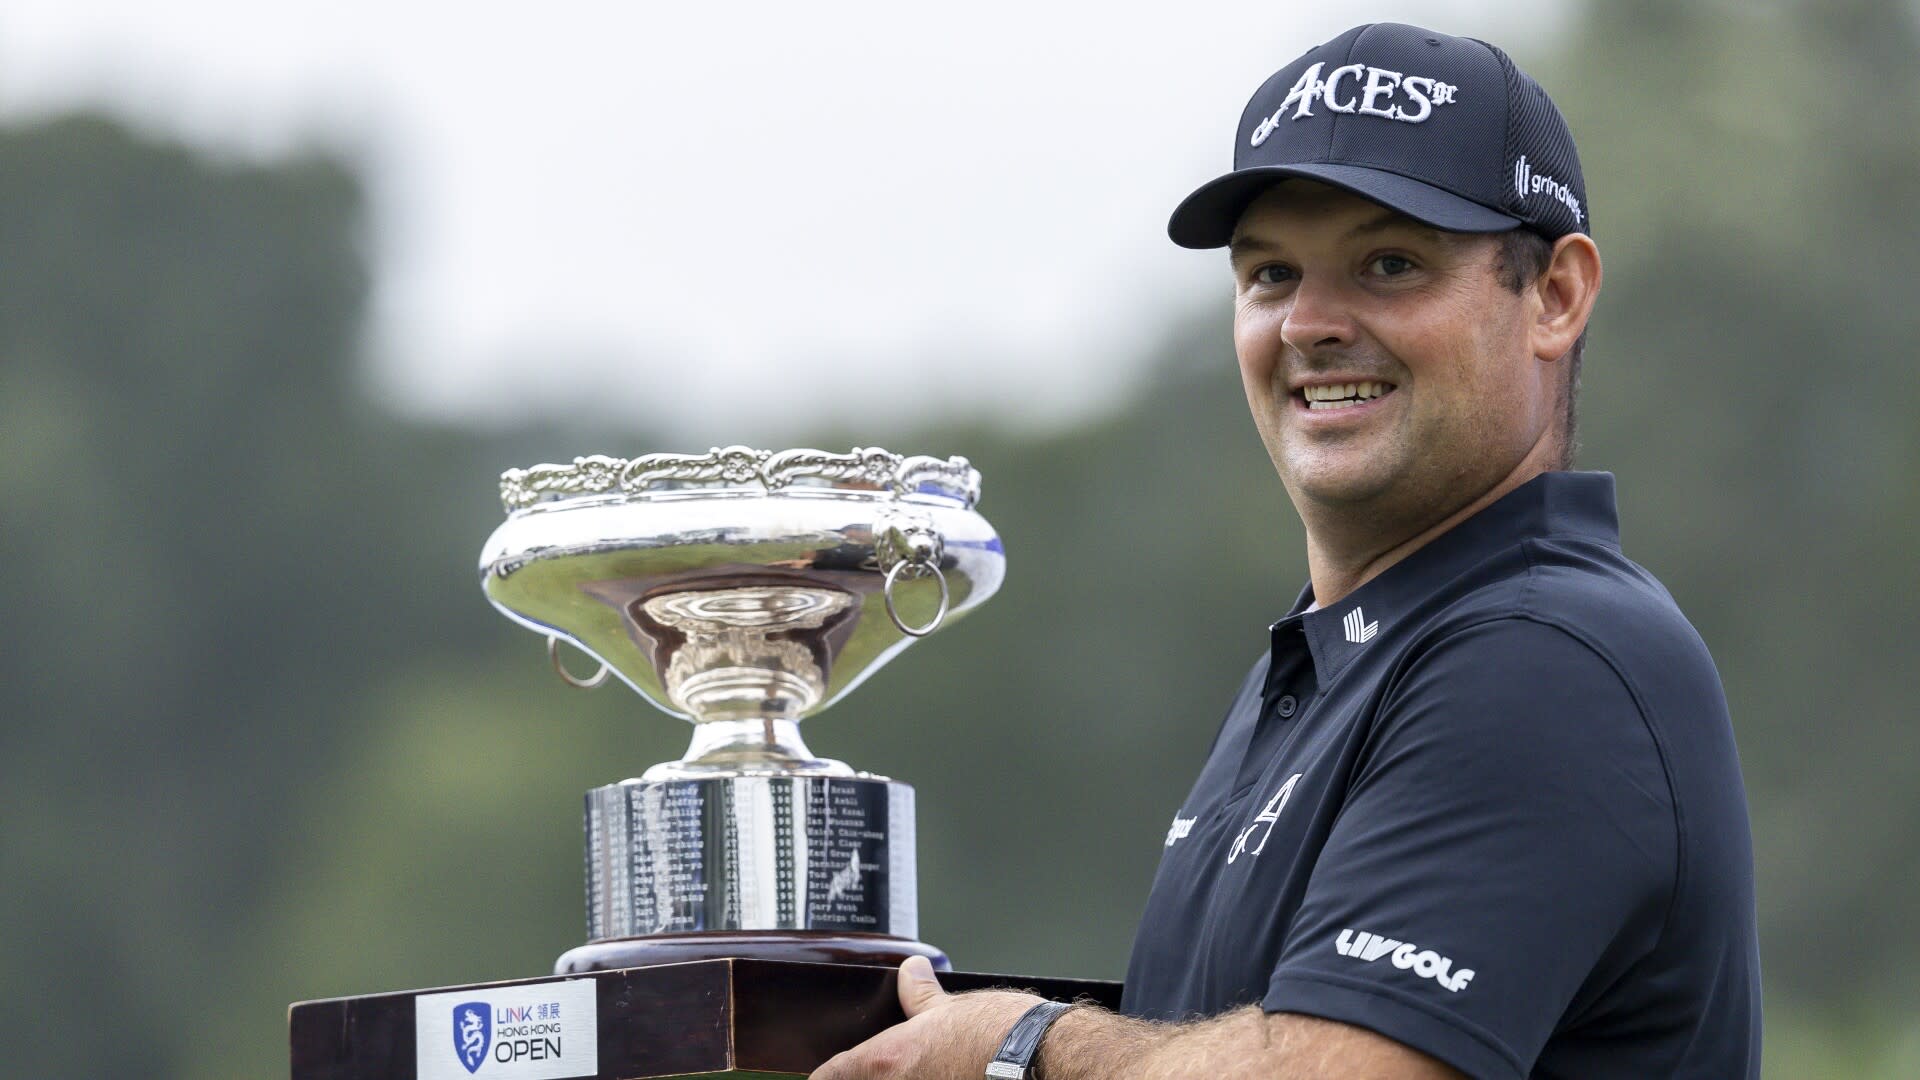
x=1573 y=504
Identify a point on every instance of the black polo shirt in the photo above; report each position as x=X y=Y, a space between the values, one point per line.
x=1487 y=805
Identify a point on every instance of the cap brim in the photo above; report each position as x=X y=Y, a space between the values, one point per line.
x=1205 y=219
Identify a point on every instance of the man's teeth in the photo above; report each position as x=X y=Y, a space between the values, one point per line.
x=1343 y=395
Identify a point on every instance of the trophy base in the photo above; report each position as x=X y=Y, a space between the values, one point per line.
x=719 y=1018
x=800 y=946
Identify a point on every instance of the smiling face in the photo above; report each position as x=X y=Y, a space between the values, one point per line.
x=1390 y=373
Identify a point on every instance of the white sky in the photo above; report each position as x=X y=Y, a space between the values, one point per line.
x=749 y=216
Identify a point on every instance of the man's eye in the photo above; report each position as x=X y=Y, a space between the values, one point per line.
x=1392 y=265
x=1273 y=274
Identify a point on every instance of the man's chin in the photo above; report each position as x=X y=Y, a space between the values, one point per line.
x=1340 y=484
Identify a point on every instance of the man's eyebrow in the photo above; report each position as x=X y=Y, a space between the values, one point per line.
x=1389 y=220
x=1242 y=246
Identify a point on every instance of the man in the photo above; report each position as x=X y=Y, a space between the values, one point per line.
x=1478 y=810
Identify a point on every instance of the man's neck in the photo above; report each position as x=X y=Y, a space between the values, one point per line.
x=1344 y=554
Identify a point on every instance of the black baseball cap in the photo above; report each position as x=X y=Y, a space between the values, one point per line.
x=1446 y=130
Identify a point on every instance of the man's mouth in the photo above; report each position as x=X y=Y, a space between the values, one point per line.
x=1343 y=395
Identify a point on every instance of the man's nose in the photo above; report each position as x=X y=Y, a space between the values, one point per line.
x=1318 y=317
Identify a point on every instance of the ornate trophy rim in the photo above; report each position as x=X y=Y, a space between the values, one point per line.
x=870 y=470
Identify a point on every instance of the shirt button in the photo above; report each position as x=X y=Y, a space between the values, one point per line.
x=1286 y=706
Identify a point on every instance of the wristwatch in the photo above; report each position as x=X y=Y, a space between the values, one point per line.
x=1014 y=1059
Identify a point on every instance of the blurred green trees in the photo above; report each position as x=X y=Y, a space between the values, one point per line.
x=264 y=741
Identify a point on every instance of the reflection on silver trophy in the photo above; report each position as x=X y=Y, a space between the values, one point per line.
x=744 y=591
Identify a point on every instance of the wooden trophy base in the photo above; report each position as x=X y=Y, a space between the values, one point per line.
x=799 y=946
x=709 y=1018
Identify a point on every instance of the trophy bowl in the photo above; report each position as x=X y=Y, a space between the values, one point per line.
x=744 y=591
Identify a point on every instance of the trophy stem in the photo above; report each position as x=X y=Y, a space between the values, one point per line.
x=747 y=746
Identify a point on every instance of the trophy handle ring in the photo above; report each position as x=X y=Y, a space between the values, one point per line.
x=939 y=616
x=598 y=677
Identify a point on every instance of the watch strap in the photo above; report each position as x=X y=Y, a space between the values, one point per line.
x=1014 y=1059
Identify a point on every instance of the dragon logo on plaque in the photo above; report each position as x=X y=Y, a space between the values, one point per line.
x=472 y=1033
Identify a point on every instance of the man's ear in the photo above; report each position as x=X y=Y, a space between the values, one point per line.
x=1567 y=290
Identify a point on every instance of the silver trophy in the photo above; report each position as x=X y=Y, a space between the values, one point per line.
x=744 y=591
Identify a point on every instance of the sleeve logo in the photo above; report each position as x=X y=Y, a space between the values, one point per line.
x=1425 y=963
